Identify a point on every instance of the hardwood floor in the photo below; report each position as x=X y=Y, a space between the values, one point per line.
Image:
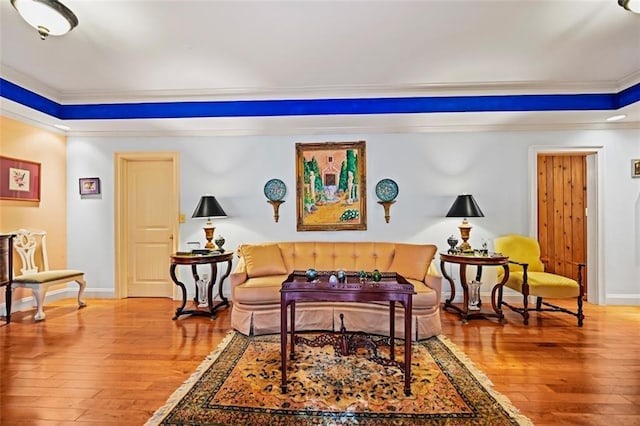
x=117 y=361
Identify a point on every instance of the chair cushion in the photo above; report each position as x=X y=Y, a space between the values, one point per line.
x=47 y=276
x=545 y=284
x=412 y=260
x=263 y=260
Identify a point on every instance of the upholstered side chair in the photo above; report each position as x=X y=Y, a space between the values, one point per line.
x=527 y=276
x=31 y=246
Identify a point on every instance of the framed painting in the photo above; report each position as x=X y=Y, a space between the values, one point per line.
x=89 y=186
x=331 y=189
x=19 y=179
x=635 y=168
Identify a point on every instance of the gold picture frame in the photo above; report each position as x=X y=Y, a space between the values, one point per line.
x=635 y=168
x=331 y=189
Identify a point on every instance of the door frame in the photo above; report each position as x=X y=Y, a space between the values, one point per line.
x=121 y=255
x=596 y=291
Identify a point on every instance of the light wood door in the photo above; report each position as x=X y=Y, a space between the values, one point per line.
x=148 y=223
x=562 y=195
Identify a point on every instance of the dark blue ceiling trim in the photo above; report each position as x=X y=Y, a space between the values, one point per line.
x=629 y=96
x=269 y=108
x=28 y=98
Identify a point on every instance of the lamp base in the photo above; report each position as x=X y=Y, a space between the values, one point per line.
x=208 y=234
x=465 y=231
x=465 y=247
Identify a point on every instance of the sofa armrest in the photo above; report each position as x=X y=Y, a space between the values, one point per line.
x=433 y=279
x=239 y=274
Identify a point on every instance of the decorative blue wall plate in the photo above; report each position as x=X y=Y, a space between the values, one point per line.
x=275 y=190
x=387 y=190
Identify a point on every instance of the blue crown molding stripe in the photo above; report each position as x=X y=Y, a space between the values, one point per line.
x=629 y=96
x=269 y=108
x=28 y=98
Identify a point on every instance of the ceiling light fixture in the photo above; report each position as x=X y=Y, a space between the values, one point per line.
x=617 y=117
x=49 y=17
x=631 y=5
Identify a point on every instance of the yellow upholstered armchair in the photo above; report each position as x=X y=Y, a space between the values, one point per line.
x=527 y=276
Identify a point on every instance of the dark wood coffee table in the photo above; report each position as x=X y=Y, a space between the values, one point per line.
x=392 y=288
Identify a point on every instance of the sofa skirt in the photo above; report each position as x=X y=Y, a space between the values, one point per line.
x=368 y=317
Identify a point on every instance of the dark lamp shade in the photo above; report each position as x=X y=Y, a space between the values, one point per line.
x=465 y=206
x=209 y=207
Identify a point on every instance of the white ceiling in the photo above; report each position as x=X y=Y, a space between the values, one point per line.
x=181 y=50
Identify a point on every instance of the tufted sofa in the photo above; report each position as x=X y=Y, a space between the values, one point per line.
x=262 y=268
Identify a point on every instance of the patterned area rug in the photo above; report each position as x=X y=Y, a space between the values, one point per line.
x=239 y=384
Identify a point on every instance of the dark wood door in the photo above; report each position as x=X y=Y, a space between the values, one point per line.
x=562 y=224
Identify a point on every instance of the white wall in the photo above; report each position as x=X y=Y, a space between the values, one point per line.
x=430 y=169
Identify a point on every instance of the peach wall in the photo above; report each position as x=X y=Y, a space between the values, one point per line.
x=19 y=140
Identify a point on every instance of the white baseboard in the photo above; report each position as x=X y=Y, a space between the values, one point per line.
x=27 y=302
x=623 y=299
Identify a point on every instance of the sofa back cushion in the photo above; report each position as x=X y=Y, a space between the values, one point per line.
x=332 y=256
x=412 y=260
x=262 y=259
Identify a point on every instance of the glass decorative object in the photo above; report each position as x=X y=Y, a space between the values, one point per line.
x=311 y=274
x=453 y=242
x=376 y=275
x=202 y=285
x=474 y=295
x=219 y=242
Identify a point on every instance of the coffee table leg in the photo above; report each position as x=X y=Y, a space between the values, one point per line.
x=407 y=346
x=293 y=329
x=392 y=329
x=283 y=344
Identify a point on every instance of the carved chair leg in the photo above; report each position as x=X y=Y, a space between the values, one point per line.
x=39 y=293
x=580 y=314
x=83 y=284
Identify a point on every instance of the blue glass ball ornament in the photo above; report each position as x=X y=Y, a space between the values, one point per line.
x=311 y=274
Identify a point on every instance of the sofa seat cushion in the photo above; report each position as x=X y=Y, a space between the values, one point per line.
x=259 y=290
x=266 y=290
x=425 y=296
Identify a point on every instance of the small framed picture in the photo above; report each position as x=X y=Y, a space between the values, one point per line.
x=635 y=168
x=19 y=179
x=89 y=186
